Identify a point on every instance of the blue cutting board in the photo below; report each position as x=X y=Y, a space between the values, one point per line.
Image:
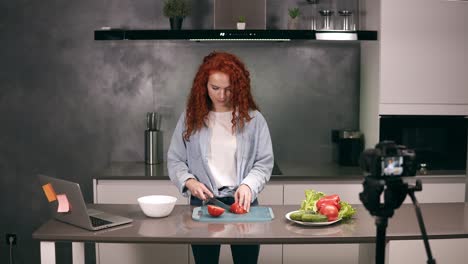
x=256 y=214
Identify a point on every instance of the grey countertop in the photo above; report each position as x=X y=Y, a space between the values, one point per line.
x=444 y=220
x=285 y=172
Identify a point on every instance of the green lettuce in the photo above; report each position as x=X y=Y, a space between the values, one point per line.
x=346 y=211
x=312 y=197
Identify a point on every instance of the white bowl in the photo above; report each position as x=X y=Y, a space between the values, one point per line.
x=157 y=205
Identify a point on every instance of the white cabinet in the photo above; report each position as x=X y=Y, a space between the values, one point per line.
x=440 y=193
x=418 y=65
x=451 y=190
x=423 y=46
x=348 y=191
x=271 y=195
x=453 y=251
x=127 y=192
x=323 y=254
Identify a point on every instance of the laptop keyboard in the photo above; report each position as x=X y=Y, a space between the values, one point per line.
x=98 y=221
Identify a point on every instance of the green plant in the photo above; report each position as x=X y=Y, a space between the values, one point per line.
x=241 y=19
x=294 y=12
x=176 y=8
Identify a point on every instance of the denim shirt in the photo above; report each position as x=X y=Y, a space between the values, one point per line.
x=254 y=157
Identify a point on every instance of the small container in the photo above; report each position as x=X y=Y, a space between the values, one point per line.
x=153 y=147
x=346 y=20
x=423 y=169
x=153 y=139
x=157 y=205
x=350 y=147
x=326 y=19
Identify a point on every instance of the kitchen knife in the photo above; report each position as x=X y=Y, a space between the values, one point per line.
x=219 y=203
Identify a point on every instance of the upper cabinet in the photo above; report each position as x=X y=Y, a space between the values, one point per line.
x=249 y=20
x=423 y=57
x=419 y=64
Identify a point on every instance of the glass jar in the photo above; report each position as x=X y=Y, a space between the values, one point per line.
x=346 y=20
x=325 y=19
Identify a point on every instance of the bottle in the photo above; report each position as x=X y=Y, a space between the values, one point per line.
x=326 y=19
x=346 y=18
x=153 y=139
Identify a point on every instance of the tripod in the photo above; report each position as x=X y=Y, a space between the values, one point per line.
x=395 y=191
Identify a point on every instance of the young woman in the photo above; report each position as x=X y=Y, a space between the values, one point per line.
x=221 y=146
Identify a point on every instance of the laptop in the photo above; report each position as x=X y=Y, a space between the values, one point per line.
x=76 y=212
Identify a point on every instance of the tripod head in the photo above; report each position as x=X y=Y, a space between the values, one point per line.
x=394 y=195
x=384 y=168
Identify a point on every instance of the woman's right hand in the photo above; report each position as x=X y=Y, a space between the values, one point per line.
x=198 y=189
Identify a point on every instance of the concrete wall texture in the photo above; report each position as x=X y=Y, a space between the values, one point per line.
x=70 y=105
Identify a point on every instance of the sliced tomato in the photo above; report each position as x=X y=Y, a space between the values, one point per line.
x=237 y=209
x=215 y=211
x=330 y=211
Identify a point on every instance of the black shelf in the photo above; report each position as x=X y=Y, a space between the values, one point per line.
x=230 y=35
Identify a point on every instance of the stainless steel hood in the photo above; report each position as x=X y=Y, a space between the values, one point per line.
x=231 y=35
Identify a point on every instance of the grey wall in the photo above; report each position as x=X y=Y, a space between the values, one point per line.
x=70 y=105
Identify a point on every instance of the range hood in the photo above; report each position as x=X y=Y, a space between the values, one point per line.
x=231 y=35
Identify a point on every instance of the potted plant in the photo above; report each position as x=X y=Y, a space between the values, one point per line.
x=176 y=11
x=241 y=23
x=293 y=18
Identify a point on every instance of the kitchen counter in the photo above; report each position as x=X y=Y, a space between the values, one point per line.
x=446 y=223
x=443 y=221
x=289 y=172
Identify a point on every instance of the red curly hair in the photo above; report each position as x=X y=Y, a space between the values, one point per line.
x=199 y=103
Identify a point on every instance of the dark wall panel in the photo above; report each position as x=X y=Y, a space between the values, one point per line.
x=70 y=105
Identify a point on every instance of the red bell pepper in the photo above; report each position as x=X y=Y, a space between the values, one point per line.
x=333 y=199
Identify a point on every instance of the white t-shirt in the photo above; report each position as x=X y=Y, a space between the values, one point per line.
x=222 y=149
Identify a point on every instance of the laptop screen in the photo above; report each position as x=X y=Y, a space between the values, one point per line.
x=65 y=200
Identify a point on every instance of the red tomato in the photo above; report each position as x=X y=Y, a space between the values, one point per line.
x=237 y=209
x=330 y=211
x=333 y=199
x=215 y=211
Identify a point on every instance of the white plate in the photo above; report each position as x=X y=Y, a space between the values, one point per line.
x=310 y=223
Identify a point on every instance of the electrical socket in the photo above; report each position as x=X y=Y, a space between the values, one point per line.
x=10 y=236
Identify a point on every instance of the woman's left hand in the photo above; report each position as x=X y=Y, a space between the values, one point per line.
x=243 y=196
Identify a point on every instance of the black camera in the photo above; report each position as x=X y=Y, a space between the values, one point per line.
x=384 y=188
x=388 y=159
